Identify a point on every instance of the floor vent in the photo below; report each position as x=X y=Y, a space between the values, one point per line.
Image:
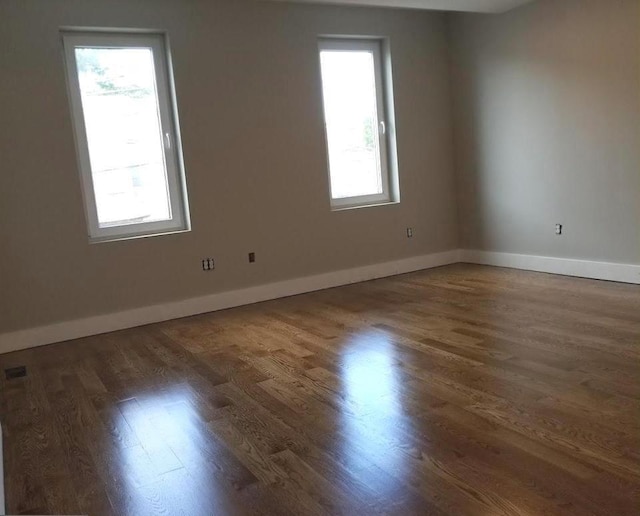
x=15 y=372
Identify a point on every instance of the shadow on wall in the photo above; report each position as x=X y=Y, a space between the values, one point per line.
x=546 y=118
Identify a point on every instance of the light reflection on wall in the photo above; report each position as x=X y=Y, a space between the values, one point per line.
x=372 y=426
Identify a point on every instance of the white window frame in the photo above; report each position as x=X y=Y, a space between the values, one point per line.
x=168 y=116
x=379 y=48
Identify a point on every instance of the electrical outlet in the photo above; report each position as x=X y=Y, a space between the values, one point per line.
x=252 y=257
x=208 y=264
x=558 y=229
x=409 y=232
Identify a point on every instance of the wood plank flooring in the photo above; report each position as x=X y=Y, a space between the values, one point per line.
x=463 y=390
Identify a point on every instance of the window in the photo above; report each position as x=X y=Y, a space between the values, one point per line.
x=127 y=137
x=359 y=122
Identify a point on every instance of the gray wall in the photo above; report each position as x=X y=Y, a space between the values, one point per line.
x=247 y=80
x=546 y=103
x=547 y=129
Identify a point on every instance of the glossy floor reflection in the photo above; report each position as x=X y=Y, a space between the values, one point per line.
x=464 y=390
x=165 y=426
x=371 y=426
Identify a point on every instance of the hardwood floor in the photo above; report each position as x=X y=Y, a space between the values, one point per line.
x=464 y=390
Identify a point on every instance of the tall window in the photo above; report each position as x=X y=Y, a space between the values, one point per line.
x=127 y=139
x=358 y=117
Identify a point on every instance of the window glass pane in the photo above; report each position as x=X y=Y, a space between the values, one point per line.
x=120 y=105
x=349 y=88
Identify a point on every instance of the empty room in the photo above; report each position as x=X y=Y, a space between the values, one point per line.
x=325 y=257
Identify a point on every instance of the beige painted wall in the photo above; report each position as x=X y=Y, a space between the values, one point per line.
x=248 y=89
x=547 y=124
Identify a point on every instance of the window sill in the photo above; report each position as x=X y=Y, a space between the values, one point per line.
x=104 y=240
x=367 y=205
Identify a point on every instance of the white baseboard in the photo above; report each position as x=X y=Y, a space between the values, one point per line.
x=95 y=325
x=622 y=272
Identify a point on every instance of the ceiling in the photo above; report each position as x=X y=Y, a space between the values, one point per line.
x=477 y=6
